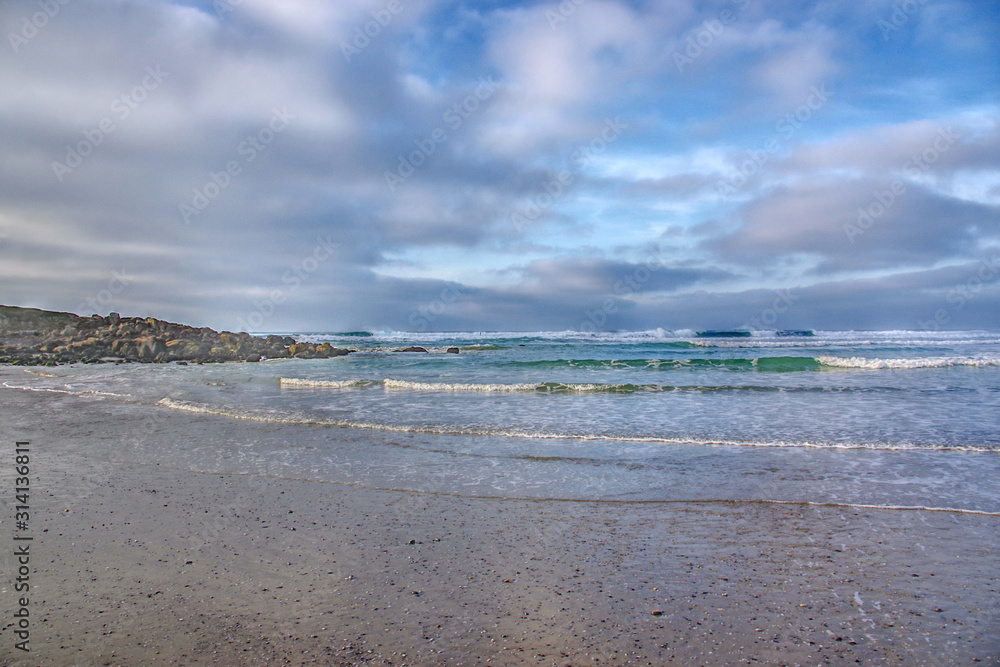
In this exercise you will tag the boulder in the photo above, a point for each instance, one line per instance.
(302, 350)
(277, 352)
(149, 348)
(121, 347)
(413, 348)
(178, 348)
(453, 350)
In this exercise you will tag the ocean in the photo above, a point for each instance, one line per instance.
(894, 419)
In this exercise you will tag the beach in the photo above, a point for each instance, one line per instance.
(143, 563)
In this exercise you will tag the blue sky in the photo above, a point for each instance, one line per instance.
(425, 165)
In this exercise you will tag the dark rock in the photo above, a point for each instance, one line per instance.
(32, 336)
(302, 350)
(453, 350)
(149, 348)
(413, 348)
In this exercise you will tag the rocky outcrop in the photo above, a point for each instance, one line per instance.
(31, 336)
(412, 348)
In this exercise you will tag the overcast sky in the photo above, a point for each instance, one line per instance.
(288, 165)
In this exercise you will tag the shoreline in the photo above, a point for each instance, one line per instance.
(305, 572)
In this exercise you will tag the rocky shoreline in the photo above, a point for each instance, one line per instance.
(29, 336)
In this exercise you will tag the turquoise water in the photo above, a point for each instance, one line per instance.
(889, 418)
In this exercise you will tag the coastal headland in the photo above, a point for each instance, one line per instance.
(29, 336)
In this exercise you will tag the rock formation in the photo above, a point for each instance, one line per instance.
(32, 336)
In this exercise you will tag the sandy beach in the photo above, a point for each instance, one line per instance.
(140, 563)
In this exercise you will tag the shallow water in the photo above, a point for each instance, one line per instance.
(871, 418)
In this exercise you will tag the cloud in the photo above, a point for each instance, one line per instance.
(201, 133)
(799, 60)
(887, 197)
(558, 66)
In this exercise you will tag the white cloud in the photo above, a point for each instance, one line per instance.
(553, 73)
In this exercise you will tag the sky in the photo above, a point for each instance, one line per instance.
(433, 165)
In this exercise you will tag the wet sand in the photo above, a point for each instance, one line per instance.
(139, 563)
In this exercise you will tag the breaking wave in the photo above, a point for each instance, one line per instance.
(276, 417)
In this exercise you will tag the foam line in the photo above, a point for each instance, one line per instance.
(511, 433)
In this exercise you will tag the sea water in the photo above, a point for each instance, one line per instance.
(892, 419)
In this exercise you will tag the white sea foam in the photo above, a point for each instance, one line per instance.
(328, 384)
(457, 386)
(923, 362)
(79, 392)
(290, 418)
(249, 415)
(902, 508)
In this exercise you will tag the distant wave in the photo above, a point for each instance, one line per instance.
(766, 364)
(775, 364)
(557, 387)
(606, 388)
